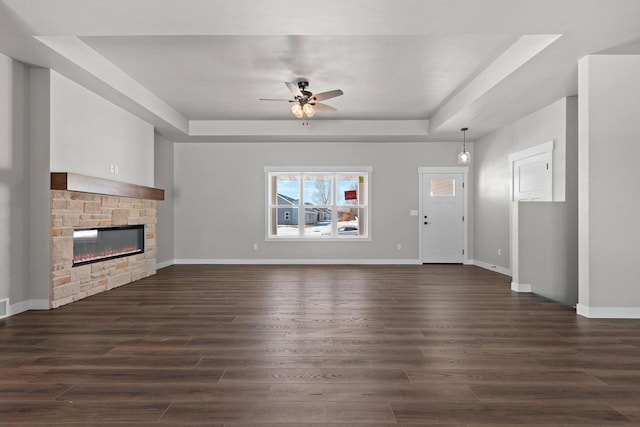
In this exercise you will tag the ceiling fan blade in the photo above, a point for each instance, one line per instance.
(327, 95)
(323, 107)
(293, 87)
(272, 99)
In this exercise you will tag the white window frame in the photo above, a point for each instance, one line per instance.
(318, 170)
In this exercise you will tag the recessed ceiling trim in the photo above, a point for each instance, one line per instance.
(79, 53)
(518, 54)
(308, 127)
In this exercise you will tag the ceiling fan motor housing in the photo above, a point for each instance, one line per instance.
(303, 85)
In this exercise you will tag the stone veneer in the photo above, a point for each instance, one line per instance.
(71, 209)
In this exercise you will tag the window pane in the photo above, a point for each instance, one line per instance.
(443, 188)
(287, 190)
(350, 221)
(285, 221)
(317, 190)
(317, 222)
(350, 190)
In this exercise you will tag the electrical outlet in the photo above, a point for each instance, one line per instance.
(499, 251)
(399, 246)
(255, 246)
(116, 168)
(112, 168)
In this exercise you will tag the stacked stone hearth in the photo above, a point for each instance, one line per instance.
(71, 209)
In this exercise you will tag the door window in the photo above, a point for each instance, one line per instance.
(443, 188)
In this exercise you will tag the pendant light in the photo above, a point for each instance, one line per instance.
(464, 157)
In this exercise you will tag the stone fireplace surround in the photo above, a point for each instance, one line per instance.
(85, 208)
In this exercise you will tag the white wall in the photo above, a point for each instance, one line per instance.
(164, 179)
(492, 177)
(14, 182)
(220, 198)
(609, 148)
(88, 134)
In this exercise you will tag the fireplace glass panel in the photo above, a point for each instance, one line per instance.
(102, 243)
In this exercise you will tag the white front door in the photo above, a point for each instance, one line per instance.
(442, 218)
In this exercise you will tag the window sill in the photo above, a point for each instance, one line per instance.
(318, 239)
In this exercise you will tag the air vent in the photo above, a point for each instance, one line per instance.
(4, 305)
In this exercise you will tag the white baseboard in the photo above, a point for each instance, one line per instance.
(32, 304)
(521, 287)
(487, 266)
(302, 261)
(164, 264)
(608, 312)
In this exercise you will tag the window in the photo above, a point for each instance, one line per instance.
(443, 188)
(318, 203)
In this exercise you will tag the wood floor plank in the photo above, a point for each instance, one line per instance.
(339, 346)
(243, 424)
(322, 375)
(509, 414)
(175, 392)
(30, 391)
(49, 413)
(149, 361)
(78, 375)
(497, 376)
(368, 392)
(301, 413)
(627, 394)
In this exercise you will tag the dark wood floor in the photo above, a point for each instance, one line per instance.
(318, 345)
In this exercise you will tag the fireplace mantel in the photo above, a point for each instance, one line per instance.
(86, 184)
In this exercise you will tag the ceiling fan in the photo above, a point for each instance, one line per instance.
(306, 102)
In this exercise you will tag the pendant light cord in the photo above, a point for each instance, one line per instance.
(464, 139)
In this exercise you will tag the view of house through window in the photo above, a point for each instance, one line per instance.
(320, 205)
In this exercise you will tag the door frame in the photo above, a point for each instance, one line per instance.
(464, 170)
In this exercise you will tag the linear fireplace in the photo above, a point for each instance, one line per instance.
(103, 243)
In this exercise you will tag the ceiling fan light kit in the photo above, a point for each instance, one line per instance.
(308, 110)
(296, 110)
(306, 102)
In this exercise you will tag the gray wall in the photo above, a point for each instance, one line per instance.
(492, 177)
(548, 241)
(548, 248)
(609, 236)
(163, 172)
(220, 198)
(39, 186)
(14, 181)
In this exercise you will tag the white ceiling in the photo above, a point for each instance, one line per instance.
(221, 77)
(411, 70)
